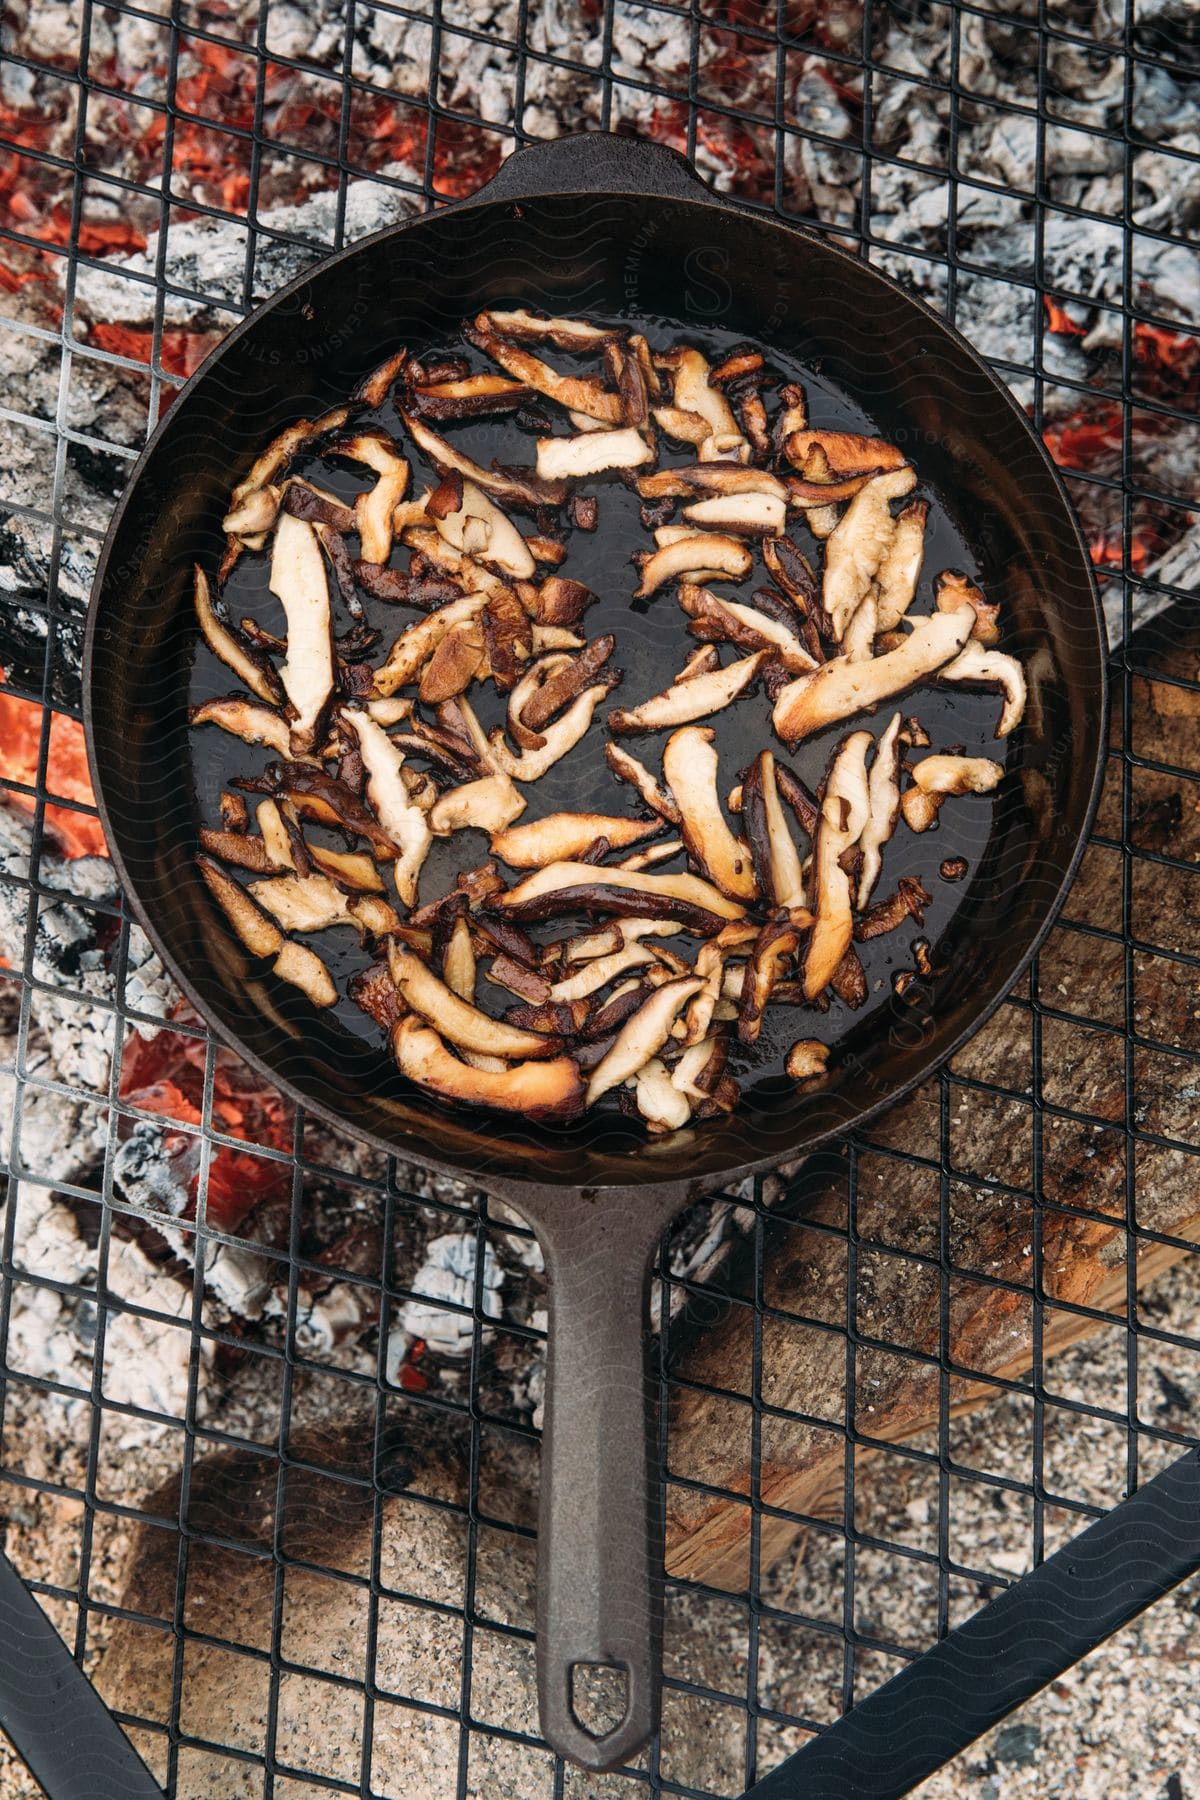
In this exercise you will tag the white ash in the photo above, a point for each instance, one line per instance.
(447, 1276)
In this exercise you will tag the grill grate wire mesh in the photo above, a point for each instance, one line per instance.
(444, 137)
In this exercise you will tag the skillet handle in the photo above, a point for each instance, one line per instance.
(595, 162)
(598, 1597)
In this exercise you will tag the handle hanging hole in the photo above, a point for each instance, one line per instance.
(599, 1696)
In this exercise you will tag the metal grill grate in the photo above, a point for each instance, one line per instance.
(874, 1263)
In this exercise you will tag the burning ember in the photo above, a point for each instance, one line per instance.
(66, 772)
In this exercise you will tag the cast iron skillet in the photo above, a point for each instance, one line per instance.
(611, 226)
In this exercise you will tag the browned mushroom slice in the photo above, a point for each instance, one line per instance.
(413, 647)
(579, 393)
(488, 804)
(402, 819)
(690, 766)
(349, 867)
(791, 573)
(319, 796)
(316, 505)
(280, 451)
(235, 815)
(578, 887)
(618, 932)
(642, 1036)
(374, 388)
(693, 392)
(527, 984)
(372, 990)
(453, 665)
(260, 934)
(590, 453)
(627, 768)
(248, 663)
(776, 857)
(840, 688)
(845, 809)
(697, 479)
(457, 1020)
(479, 528)
(563, 683)
(702, 661)
(253, 724)
(559, 738)
(807, 1060)
(900, 565)
(953, 590)
(523, 327)
(508, 637)
(694, 699)
(469, 397)
(752, 514)
(300, 583)
(847, 452)
(536, 1090)
(561, 836)
(883, 794)
(516, 487)
(991, 668)
(728, 621)
(373, 510)
(774, 946)
(857, 546)
(908, 902)
(244, 849)
(935, 778)
(402, 588)
(562, 601)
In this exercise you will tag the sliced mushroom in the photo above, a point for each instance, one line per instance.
(694, 699)
(791, 573)
(900, 565)
(642, 1036)
(299, 582)
(467, 397)
(774, 947)
(555, 637)
(458, 961)
(536, 1090)
(846, 452)
(590, 453)
(807, 1059)
(707, 556)
(402, 819)
(953, 590)
(697, 479)
(244, 849)
(560, 837)
(610, 940)
(314, 903)
(858, 545)
(316, 795)
(991, 668)
(908, 902)
(693, 392)
(248, 663)
(256, 515)
(752, 514)
(374, 388)
(654, 853)
(487, 804)
(316, 505)
(690, 766)
(523, 327)
(776, 857)
(517, 487)
(373, 510)
(728, 621)
(508, 637)
(561, 736)
(478, 527)
(260, 935)
(578, 887)
(414, 646)
(527, 984)
(627, 768)
(883, 795)
(562, 683)
(663, 1106)
(561, 601)
(453, 665)
(253, 724)
(935, 778)
(280, 451)
(702, 661)
(845, 809)
(592, 976)
(456, 1019)
(579, 393)
(840, 687)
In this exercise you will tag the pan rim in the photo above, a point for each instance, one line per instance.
(518, 1186)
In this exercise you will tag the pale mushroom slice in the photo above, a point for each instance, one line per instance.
(664, 1106)
(416, 645)
(883, 795)
(560, 736)
(696, 698)
(690, 765)
(953, 589)
(258, 932)
(243, 719)
(807, 1059)
(300, 583)
(562, 836)
(590, 453)
(935, 778)
(487, 804)
(857, 545)
(845, 809)
(517, 487)
(373, 510)
(693, 393)
(458, 961)
(480, 529)
(729, 621)
(582, 887)
(991, 668)
(704, 555)
(456, 1019)
(315, 902)
(776, 857)
(523, 327)
(401, 818)
(747, 514)
(642, 1036)
(578, 393)
(840, 688)
(248, 662)
(619, 932)
(702, 661)
(900, 566)
(626, 767)
(537, 1090)
(597, 973)
(280, 451)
